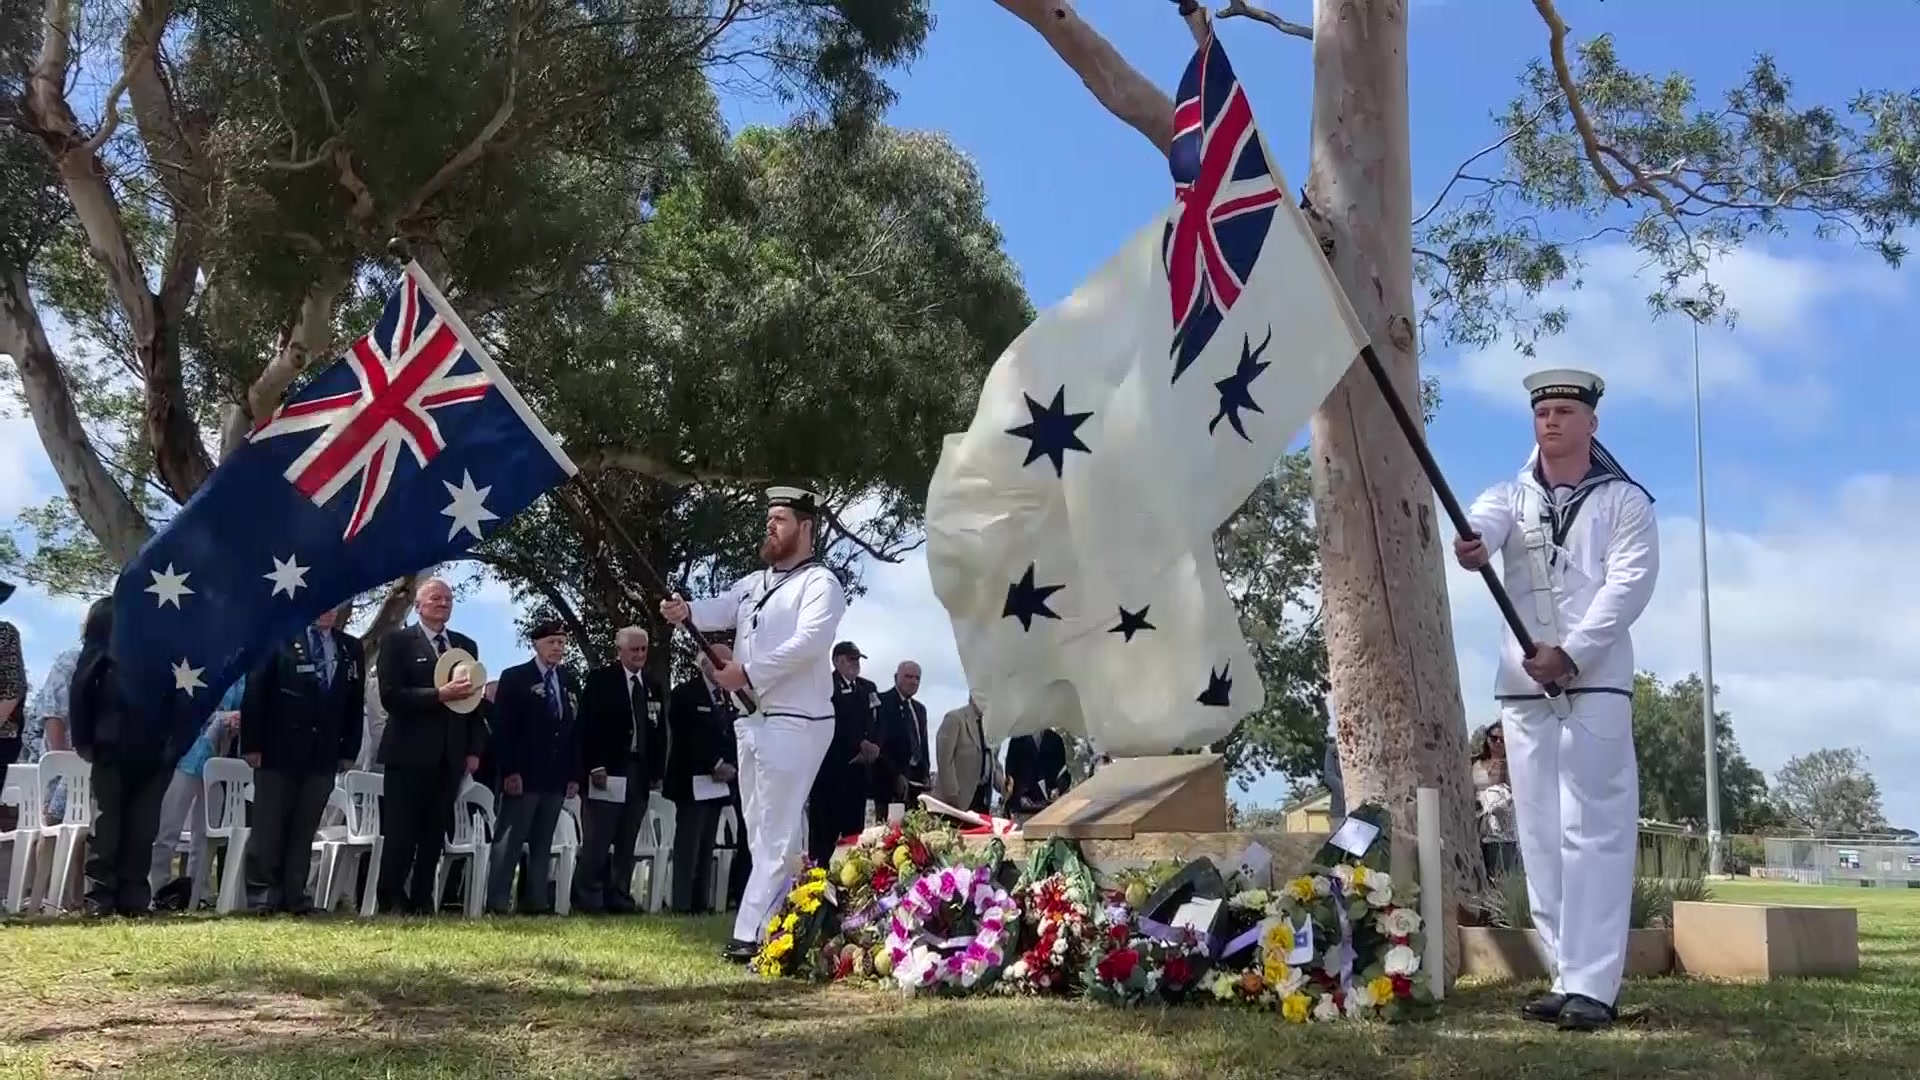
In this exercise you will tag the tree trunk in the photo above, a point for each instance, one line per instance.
(1390, 653)
(97, 497)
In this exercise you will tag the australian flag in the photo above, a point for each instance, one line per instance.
(403, 453)
(1225, 193)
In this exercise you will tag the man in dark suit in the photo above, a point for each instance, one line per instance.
(300, 719)
(837, 805)
(906, 758)
(432, 742)
(1037, 770)
(624, 733)
(701, 745)
(536, 745)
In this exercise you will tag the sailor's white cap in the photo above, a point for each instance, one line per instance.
(797, 499)
(1568, 383)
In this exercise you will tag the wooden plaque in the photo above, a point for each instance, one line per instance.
(1185, 793)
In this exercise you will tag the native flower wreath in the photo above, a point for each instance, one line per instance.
(949, 900)
(796, 925)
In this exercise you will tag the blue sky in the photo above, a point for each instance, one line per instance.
(1816, 642)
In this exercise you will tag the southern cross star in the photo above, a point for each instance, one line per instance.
(468, 508)
(168, 587)
(1132, 622)
(1219, 691)
(1027, 601)
(187, 678)
(1050, 432)
(1236, 390)
(288, 576)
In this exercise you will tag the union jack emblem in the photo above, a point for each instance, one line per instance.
(402, 372)
(1225, 198)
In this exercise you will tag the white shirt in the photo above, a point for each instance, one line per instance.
(783, 624)
(1603, 575)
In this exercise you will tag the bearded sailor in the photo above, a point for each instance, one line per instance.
(1581, 552)
(783, 621)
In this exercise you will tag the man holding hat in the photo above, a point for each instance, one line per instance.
(1581, 553)
(783, 621)
(13, 687)
(536, 744)
(431, 684)
(837, 806)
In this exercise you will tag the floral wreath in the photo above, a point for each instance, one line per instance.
(1063, 931)
(794, 921)
(961, 962)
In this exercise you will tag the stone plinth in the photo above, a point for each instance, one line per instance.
(1503, 954)
(1180, 793)
(1765, 941)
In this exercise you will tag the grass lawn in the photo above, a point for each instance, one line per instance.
(646, 998)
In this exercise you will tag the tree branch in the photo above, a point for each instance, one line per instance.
(539, 583)
(1125, 93)
(1460, 173)
(305, 338)
(313, 71)
(1245, 10)
(647, 465)
(860, 542)
(1597, 152)
(471, 152)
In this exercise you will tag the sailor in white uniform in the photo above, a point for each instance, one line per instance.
(1581, 552)
(783, 621)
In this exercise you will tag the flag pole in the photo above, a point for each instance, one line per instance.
(1417, 439)
(589, 502)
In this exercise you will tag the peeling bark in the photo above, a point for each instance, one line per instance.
(1390, 652)
(103, 505)
(1127, 94)
(180, 458)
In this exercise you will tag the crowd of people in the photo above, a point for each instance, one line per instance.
(542, 738)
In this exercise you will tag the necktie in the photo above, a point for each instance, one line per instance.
(322, 662)
(637, 699)
(439, 644)
(986, 756)
(553, 693)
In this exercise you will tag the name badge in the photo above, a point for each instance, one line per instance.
(653, 709)
(305, 669)
(703, 708)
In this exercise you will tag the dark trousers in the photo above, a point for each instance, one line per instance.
(982, 799)
(836, 807)
(120, 848)
(695, 825)
(604, 879)
(742, 857)
(286, 813)
(416, 814)
(526, 820)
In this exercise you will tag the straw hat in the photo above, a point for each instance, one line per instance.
(451, 663)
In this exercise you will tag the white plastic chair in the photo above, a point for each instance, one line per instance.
(473, 824)
(227, 784)
(727, 842)
(70, 834)
(566, 854)
(357, 794)
(21, 789)
(653, 848)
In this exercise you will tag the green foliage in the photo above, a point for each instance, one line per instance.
(1505, 905)
(1830, 792)
(1268, 556)
(1679, 178)
(793, 308)
(1670, 739)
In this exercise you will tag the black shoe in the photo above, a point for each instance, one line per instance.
(740, 952)
(1546, 1008)
(1585, 1014)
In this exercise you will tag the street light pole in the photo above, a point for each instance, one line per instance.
(1710, 732)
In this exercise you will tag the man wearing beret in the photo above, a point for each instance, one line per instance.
(537, 747)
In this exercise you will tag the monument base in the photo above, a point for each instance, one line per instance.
(1292, 852)
(1183, 793)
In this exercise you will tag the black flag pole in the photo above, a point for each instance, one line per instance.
(1417, 439)
(592, 504)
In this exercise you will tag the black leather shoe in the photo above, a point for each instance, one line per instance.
(1546, 1008)
(1585, 1014)
(740, 951)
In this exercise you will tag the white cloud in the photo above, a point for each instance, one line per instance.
(1771, 359)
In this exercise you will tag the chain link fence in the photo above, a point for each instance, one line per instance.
(1829, 861)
